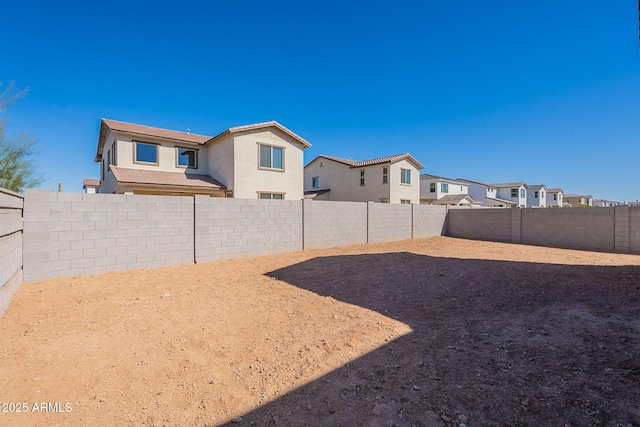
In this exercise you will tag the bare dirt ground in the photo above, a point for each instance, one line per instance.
(425, 332)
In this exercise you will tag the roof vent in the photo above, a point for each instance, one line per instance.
(188, 131)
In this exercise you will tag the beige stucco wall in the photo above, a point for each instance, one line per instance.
(167, 155)
(220, 157)
(249, 179)
(344, 181)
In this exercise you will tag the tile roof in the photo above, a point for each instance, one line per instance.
(509, 184)
(428, 177)
(90, 182)
(312, 194)
(177, 179)
(506, 202)
(452, 199)
(255, 126)
(377, 161)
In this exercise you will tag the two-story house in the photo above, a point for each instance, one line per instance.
(486, 194)
(262, 160)
(577, 200)
(392, 179)
(555, 197)
(438, 190)
(513, 191)
(537, 196)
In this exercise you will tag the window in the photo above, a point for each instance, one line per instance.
(315, 181)
(384, 200)
(109, 157)
(271, 157)
(145, 153)
(555, 197)
(535, 194)
(361, 177)
(432, 187)
(522, 193)
(514, 192)
(542, 194)
(114, 153)
(271, 196)
(187, 158)
(405, 202)
(385, 175)
(444, 187)
(405, 176)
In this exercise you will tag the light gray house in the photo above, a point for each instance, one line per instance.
(537, 196)
(438, 190)
(486, 194)
(555, 197)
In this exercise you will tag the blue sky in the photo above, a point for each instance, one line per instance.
(546, 92)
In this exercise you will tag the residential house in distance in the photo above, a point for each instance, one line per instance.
(391, 179)
(577, 200)
(636, 203)
(91, 186)
(537, 196)
(438, 190)
(263, 160)
(555, 197)
(604, 203)
(486, 194)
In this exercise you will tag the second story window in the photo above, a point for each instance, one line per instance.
(187, 158)
(432, 187)
(444, 187)
(522, 193)
(361, 177)
(271, 157)
(405, 176)
(385, 175)
(145, 153)
(535, 194)
(315, 182)
(514, 192)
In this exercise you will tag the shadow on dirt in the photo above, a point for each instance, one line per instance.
(494, 343)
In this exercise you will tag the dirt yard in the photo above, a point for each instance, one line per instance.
(426, 332)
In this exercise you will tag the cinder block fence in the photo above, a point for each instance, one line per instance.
(10, 246)
(46, 235)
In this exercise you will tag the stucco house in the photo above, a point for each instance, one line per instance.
(486, 194)
(577, 200)
(537, 196)
(391, 179)
(438, 190)
(262, 160)
(555, 197)
(601, 203)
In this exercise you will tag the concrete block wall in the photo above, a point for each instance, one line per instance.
(575, 228)
(236, 228)
(622, 229)
(388, 222)
(68, 234)
(330, 224)
(428, 220)
(634, 228)
(11, 273)
(481, 224)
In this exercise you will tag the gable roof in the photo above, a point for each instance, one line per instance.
(509, 184)
(555, 190)
(144, 131)
(454, 199)
(538, 187)
(429, 177)
(90, 182)
(312, 194)
(262, 125)
(377, 161)
(176, 179)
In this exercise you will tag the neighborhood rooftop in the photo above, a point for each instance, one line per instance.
(377, 161)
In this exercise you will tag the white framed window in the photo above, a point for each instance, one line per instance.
(384, 200)
(362, 177)
(535, 194)
(315, 182)
(271, 196)
(405, 176)
(271, 157)
(186, 158)
(405, 201)
(432, 187)
(145, 152)
(114, 153)
(555, 197)
(522, 193)
(444, 187)
(385, 175)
